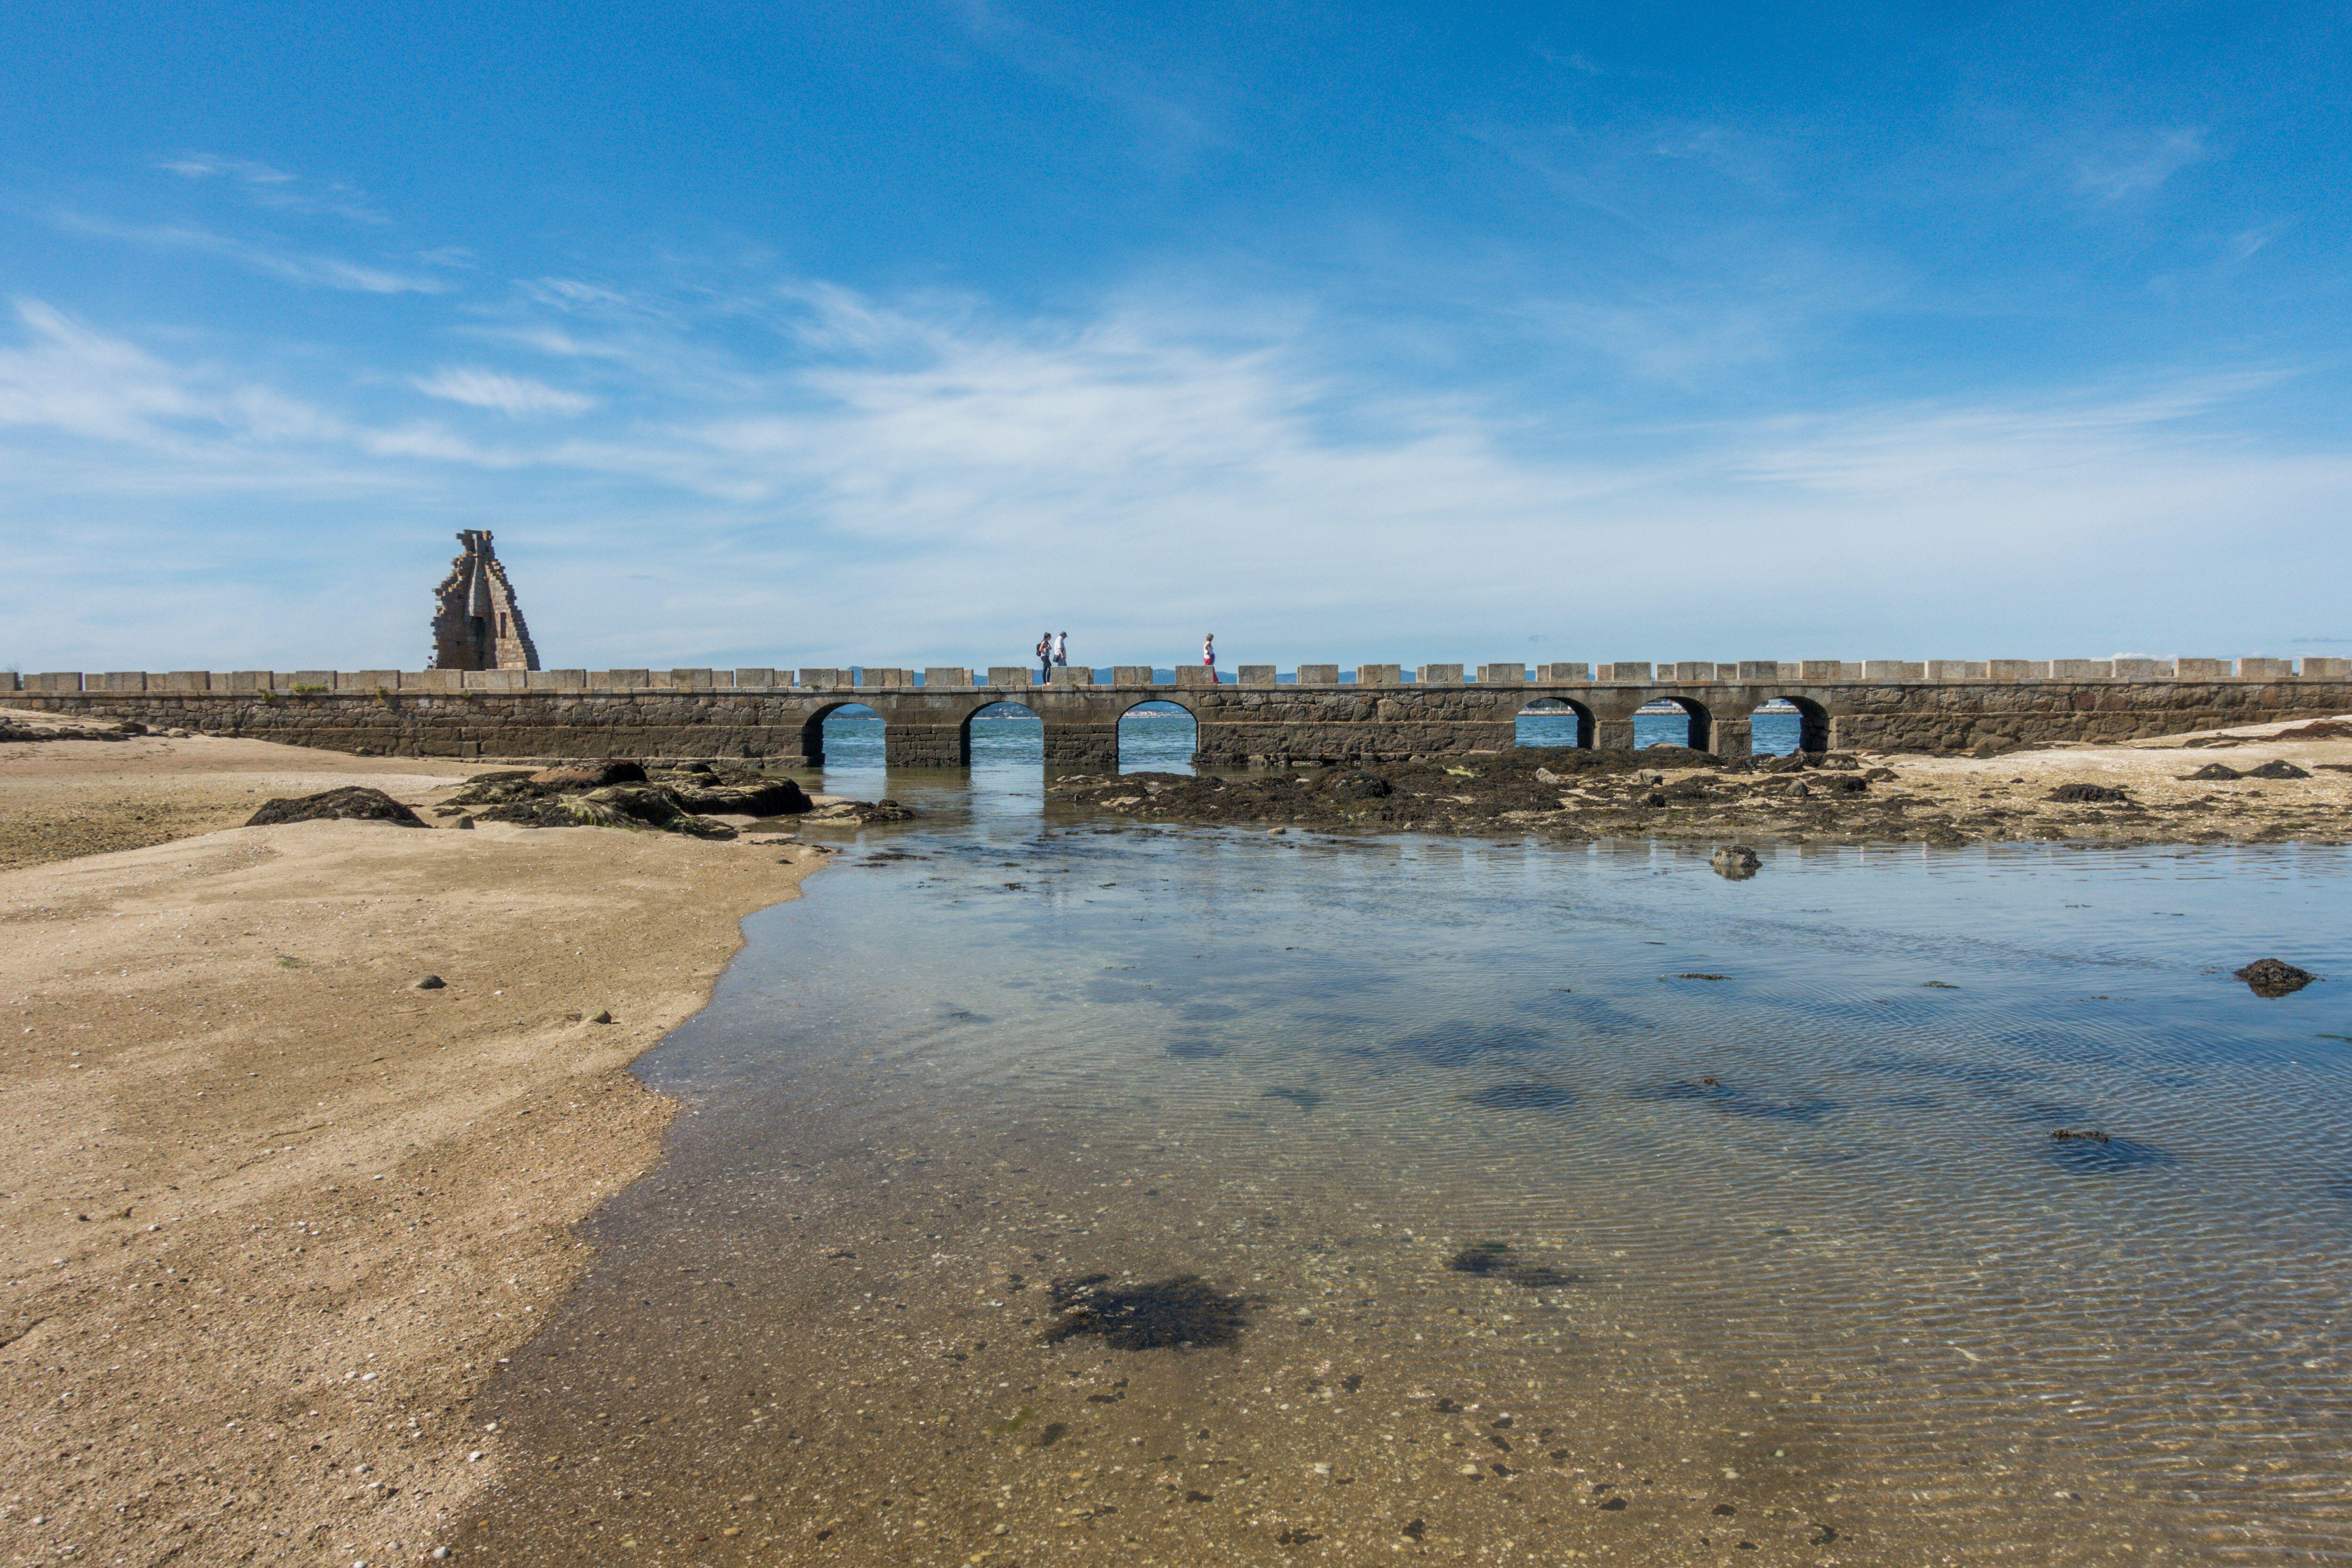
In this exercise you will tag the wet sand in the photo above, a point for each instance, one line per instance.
(271, 1216)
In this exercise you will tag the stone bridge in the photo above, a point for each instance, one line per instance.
(778, 716)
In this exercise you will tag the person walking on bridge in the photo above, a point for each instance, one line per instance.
(1209, 656)
(1061, 649)
(1044, 659)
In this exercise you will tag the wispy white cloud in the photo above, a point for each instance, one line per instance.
(271, 188)
(510, 394)
(2130, 163)
(309, 270)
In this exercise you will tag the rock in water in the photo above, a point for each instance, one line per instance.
(2270, 977)
(1736, 862)
(2278, 770)
(2087, 795)
(353, 803)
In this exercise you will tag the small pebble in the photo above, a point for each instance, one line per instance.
(427, 982)
(600, 1017)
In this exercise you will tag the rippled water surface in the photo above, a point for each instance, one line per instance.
(1540, 1204)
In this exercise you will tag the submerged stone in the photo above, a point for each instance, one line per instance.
(1181, 1311)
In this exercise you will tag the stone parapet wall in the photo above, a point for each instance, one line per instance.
(1020, 677)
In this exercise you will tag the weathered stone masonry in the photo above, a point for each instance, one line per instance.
(778, 715)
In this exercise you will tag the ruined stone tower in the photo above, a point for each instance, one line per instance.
(476, 622)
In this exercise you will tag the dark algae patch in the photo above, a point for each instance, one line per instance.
(1529, 1096)
(1495, 1258)
(2095, 1153)
(1181, 1311)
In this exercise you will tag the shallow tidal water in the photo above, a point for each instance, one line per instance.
(1056, 1190)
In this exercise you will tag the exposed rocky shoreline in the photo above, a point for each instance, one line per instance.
(2114, 794)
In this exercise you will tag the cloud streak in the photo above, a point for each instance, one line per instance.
(309, 270)
(514, 395)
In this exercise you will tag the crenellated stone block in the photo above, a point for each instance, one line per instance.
(2265, 668)
(367, 680)
(947, 678)
(2081, 670)
(1380, 675)
(1071, 675)
(2016, 669)
(2143, 669)
(1257, 674)
(756, 677)
(1318, 675)
(1564, 674)
(58, 680)
(1763, 669)
(1000, 676)
(1195, 675)
(1132, 675)
(547, 679)
(1893, 669)
(2203, 669)
(2326, 668)
(1687, 670)
(1811, 670)
(1439, 675)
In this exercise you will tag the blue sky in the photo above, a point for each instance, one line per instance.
(829, 333)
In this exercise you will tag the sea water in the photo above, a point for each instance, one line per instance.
(1497, 1201)
(1163, 739)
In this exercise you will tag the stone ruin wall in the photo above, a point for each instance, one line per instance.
(476, 624)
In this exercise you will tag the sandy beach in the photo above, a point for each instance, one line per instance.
(272, 1216)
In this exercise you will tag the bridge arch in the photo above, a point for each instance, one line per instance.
(1813, 722)
(812, 748)
(1700, 723)
(1164, 745)
(1550, 715)
(1009, 748)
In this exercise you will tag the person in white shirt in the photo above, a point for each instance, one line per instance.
(1061, 648)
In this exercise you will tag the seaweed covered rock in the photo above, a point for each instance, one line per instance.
(858, 812)
(620, 793)
(2278, 769)
(638, 806)
(581, 777)
(2087, 795)
(2214, 771)
(355, 803)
